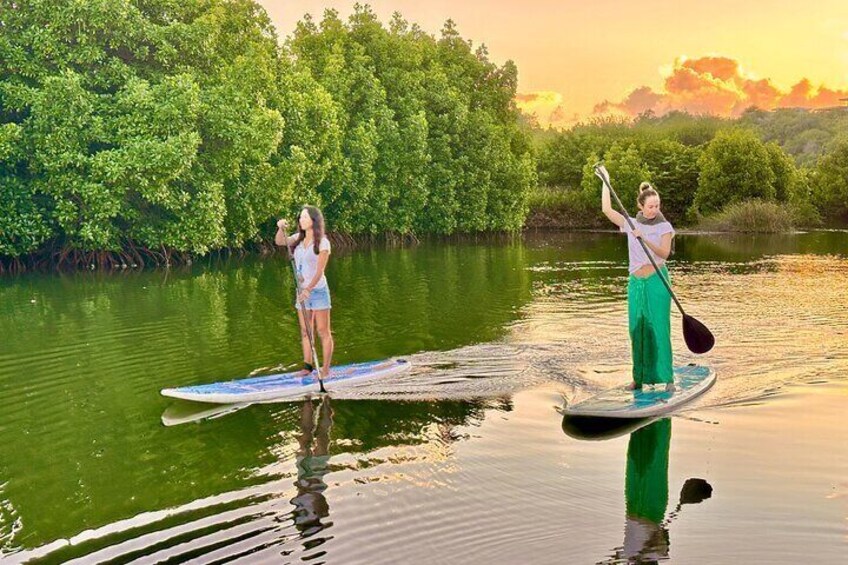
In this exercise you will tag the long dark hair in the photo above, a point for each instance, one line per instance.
(317, 228)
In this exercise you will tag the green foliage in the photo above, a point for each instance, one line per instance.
(755, 216)
(669, 148)
(830, 184)
(801, 200)
(701, 163)
(431, 139)
(674, 173)
(627, 172)
(735, 166)
(146, 121)
(561, 160)
(679, 126)
(784, 171)
(804, 134)
(552, 207)
(185, 126)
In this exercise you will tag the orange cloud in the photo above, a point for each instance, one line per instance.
(721, 68)
(718, 86)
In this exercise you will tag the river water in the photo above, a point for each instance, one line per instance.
(466, 458)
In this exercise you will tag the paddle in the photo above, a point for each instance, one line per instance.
(694, 491)
(307, 322)
(698, 338)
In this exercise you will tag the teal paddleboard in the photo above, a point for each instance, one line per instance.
(691, 381)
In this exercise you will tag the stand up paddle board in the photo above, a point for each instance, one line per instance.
(286, 386)
(690, 382)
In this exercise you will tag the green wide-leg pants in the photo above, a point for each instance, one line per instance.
(649, 309)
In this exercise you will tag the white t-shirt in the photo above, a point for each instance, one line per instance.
(654, 234)
(306, 262)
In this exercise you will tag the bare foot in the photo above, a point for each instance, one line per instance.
(632, 386)
(670, 387)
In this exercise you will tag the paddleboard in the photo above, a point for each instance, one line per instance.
(691, 381)
(286, 386)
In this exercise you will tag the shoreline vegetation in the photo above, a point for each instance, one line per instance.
(161, 133)
(131, 259)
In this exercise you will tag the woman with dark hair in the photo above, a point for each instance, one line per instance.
(311, 254)
(648, 301)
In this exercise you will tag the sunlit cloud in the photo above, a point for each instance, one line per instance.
(539, 98)
(547, 107)
(718, 86)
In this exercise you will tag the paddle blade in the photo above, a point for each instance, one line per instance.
(698, 338)
(695, 491)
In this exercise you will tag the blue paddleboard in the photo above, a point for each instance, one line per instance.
(285, 386)
(690, 382)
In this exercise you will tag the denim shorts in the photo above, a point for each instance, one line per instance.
(319, 299)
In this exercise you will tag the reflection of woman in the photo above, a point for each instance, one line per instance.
(646, 491)
(310, 505)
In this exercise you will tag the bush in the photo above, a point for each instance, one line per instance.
(801, 207)
(563, 209)
(735, 167)
(756, 216)
(561, 160)
(830, 182)
(674, 171)
(627, 171)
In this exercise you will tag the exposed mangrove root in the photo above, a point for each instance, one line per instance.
(61, 257)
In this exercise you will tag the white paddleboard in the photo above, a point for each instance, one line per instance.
(691, 381)
(286, 386)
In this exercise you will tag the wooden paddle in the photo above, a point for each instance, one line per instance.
(698, 338)
(307, 321)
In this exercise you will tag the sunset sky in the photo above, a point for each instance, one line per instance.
(622, 57)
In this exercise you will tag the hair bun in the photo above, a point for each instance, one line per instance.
(645, 186)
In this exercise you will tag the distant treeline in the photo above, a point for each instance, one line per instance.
(795, 159)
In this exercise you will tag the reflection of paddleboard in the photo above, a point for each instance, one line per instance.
(591, 428)
(186, 412)
(286, 386)
(690, 381)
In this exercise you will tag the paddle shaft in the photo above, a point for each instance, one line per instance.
(307, 321)
(642, 243)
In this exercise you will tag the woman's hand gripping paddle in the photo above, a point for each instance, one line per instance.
(698, 338)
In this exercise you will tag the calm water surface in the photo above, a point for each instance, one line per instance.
(466, 459)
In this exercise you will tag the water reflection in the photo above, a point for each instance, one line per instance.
(646, 494)
(313, 456)
(646, 526)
